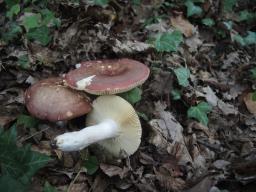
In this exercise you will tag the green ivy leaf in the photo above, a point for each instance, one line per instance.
(24, 62)
(182, 75)
(136, 2)
(91, 164)
(228, 5)
(132, 96)
(176, 95)
(168, 41)
(208, 22)
(31, 21)
(19, 163)
(246, 16)
(11, 3)
(199, 112)
(10, 184)
(253, 73)
(40, 34)
(48, 187)
(15, 9)
(205, 107)
(239, 39)
(27, 121)
(254, 96)
(228, 24)
(48, 18)
(192, 9)
(102, 3)
(250, 38)
(13, 31)
(247, 40)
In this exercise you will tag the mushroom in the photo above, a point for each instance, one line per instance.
(50, 100)
(104, 77)
(113, 124)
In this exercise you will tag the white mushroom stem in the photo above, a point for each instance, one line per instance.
(77, 140)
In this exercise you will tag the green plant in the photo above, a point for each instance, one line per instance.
(49, 188)
(182, 75)
(18, 164)
(33, 16)
(91, 164)
(193, 9)
(168, 41)
(199, 112)
(132, 96)
(249, 39)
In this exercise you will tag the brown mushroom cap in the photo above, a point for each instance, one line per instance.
(49, 100)
(103, 77)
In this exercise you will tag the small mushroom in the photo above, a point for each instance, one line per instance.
(104, 77)
(50, 100)
(113, 124)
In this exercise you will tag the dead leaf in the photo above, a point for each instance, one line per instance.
(43, 54)
(221, 164)
(5, 120)
(231, 58)
(183, 25)
(112, 170)
(130, 46)
(162, 83)
(145, 159)
(250, 104)
(100, 183)
(209, 94)
(159, 27)
(203, 186)
(227, 108)
(193, 42)
(167, 134)
(169, 182)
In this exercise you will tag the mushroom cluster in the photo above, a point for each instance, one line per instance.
(111, 121)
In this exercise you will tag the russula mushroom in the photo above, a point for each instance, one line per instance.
(50, 100)
(104, 77)
(113, 124)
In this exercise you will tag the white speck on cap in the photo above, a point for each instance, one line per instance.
(83, 83)
(78, 65)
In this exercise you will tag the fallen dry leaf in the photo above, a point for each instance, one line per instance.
(204, 185)
(250, 104)
(226, 108)
(183, 25)
(5, 120)
(130, 46)
(167, 134)
(112, 170)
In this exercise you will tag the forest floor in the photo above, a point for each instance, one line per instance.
(197, 109)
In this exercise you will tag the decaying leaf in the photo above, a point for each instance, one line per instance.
(183, 25)
(130, 46)
(250, 104)
(204, 185)
(112, 170)
(5, 120)
(227, 108)
(167, 134)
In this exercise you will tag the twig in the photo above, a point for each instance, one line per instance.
(36, 133)
(72, 183)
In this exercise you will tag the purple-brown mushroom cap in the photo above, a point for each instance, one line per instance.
(102, 77)
(50, 100)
